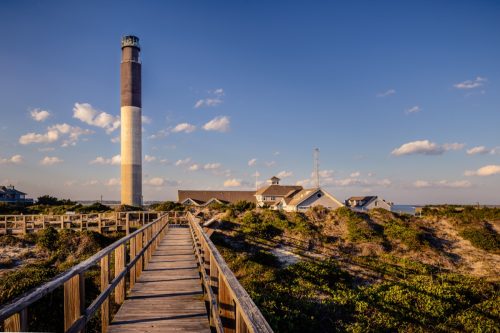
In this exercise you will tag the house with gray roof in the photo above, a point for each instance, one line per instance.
(368, 202)
(9, 194)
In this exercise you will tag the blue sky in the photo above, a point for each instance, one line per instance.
(401, 97)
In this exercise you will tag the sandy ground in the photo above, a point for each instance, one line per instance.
(469, 260)
(16, 255)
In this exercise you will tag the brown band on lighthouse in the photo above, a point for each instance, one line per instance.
(130, 77)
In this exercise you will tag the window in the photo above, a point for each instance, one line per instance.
(319, 195)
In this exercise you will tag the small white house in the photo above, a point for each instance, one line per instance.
(368, 202)
(308, 198)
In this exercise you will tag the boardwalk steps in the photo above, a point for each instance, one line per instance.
(168, 295)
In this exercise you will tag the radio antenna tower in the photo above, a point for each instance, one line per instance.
(316, 167)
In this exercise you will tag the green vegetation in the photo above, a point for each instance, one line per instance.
(323, 294)
(56, 253)
(167, 206)
(358, 227)
(482, 237)
(47, 204)
(472, 223)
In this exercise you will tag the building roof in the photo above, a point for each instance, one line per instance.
(225, 196)
(307, 193)
(10, 189)
(278, 190)
(365, 198)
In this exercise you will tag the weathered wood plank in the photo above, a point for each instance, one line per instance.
(74, 299)
(105, 314)
(17, 322)
(119, 266)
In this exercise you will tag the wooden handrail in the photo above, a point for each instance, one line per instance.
(235, 309)
(142, 242)
(100, 222)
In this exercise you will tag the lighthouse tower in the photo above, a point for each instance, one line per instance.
(131, 126)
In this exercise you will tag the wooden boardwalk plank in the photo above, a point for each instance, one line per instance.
(167, 297)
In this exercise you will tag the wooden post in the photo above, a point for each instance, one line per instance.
(127, 223)
(133, 248)
(24, 225)
(99, 223)
(226, 307)
(18, 322)
(119, 267)
(62, 222)
(74, 299)
(214, 274)
(139, 263)
(105, 315)
(241, 325)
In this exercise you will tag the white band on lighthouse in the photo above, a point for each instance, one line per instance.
(131, 154)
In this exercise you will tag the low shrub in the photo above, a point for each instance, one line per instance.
(399, 230)
(481, 237)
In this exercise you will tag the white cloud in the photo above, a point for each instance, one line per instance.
(270, 164)
(252, 162)
(471, 84)
(116, 139)
(86, 113)
(149, 158)
(146, 120)
(284, 174)
(50, 160)
(184, 127)
(481, 150)
(39, 115)
(50, 136)
(425, 147)
(442, 184)
(355, 174)
(488, 170)
(219, 124)
(212, 166)
(183, 162)
(194, 167)
(387, 93)
(113, 182)
(414, 109)
(214, 100)
(115, 160)
(54, 133)
(158, 135)
(218, 92)
(155, 181)
(91, 182)
(73, 133)
(232, 182)
(303, 182)
(16, 159)
(70, 183)
(352, 181)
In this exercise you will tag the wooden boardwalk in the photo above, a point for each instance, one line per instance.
(168, 296)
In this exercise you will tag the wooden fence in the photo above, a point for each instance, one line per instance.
(100, 222)
(140, 245)
(231, 310)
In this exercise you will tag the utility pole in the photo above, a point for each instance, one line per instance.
(316, 167)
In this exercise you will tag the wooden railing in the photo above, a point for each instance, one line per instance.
(100, 222)
(230, 307)
(140, 245)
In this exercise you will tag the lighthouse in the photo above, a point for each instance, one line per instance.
(131, 126)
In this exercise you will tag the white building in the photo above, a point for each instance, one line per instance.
(367, 202)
